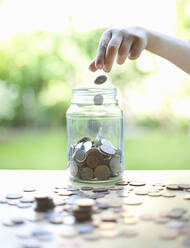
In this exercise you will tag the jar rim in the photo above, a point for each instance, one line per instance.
(95, 90)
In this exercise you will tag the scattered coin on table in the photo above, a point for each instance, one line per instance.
(92, 213)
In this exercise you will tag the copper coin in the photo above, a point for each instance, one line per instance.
(86, 173)
(92, 161)
(73, 168)
(107, 149)
(102, 172)
(80, 156)
(100, 79)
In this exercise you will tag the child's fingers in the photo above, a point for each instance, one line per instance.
(136, 48)
(111, 52)
(99, 60)
(92, 66)
(124, 50)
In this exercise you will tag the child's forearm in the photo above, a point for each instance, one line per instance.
(175, 50)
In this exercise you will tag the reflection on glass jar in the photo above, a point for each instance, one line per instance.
(95, 136)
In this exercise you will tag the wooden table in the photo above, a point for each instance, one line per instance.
(14, 181)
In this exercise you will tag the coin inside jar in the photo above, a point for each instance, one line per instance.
(115, 165)
(107, 149)
(73, 169)
(86, 173)
(102, 172)
(92, 161)
(80, 156)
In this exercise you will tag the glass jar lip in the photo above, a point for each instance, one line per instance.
(92, 91)
(87, 95)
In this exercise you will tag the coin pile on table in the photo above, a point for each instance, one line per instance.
(94, 160)
(72, 216)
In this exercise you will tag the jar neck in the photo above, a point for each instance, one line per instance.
(88, 95)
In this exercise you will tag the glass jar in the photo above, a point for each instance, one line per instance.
(95, 136)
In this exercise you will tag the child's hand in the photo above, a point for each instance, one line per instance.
(125, 43)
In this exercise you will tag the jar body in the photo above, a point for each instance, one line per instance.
(95, 142)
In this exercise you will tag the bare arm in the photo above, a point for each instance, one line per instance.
(130, 42)
(175, 50)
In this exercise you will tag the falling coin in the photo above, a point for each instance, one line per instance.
(100, 79)
(98, 99)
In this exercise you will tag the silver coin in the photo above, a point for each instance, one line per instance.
(98, 99)
(87, 145)
(115, 165)
(100, 79)
(73, 169)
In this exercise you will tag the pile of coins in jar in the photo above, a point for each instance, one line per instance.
(72, 216)
(97, 159)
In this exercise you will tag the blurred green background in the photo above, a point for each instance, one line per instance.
(42, 60)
